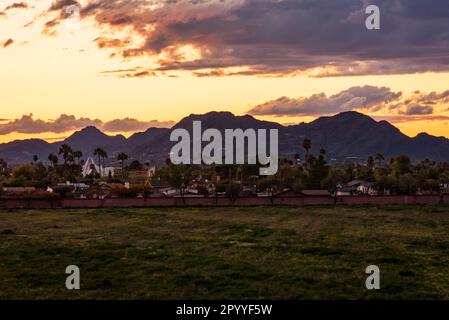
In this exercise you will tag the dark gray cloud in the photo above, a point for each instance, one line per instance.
(417, 110)
(410, 118)
(279, 36)
(368, 98)
(27, 124)
(130, 124)
(62, 4)
(420, 103)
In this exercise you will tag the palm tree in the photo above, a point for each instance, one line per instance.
(370, 162)
(122, 157)
(307, 144)
(101, 155)
(3, 166)
(77, 155)
(322, 155)
(380, 158)
(66, 151)
(53, 159)
(71, 158)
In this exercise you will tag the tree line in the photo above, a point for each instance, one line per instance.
(398, 175)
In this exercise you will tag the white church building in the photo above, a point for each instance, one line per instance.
(89, 166)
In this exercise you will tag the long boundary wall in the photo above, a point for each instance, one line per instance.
(220, 201)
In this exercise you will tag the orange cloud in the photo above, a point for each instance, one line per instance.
(17, 5)
(8, 42)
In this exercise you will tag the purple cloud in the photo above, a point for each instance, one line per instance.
(272, 37)
(368, 98)
(27, 124)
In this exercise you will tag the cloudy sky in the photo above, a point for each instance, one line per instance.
(126, 65)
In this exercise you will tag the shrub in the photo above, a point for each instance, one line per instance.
(407, 184)
(233, 190)
(36, 194)
(94, 191)
(145, 190)
(16, 182)
(202, 190)
(247, 193)
(26, 171)
(132, 192)
(63, 191)
(120, 192)
(221, 187)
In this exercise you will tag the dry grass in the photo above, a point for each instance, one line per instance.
(231, 253)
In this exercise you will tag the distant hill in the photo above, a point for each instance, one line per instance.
(348, 134)
(352, 134)
(90, 138)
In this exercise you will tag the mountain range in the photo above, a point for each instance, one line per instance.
(348, 134)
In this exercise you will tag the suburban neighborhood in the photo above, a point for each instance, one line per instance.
(70, 174)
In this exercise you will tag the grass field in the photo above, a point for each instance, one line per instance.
(230, 253)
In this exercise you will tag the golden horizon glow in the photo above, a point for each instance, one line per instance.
(63, 74)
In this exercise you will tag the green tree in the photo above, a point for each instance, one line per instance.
(407, 184)
(66, 152)
(178, 176)
(23, 173)
(337, 176)
(53, 159)
(233, 190)
(317, 170)
(382, 181)
(41, 178)
(3, 166)
(122, 157)
(400, 166)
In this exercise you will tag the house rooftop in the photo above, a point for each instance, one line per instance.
(355, 183)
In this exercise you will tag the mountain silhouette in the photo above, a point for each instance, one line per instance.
(90, 138)
(348, 134)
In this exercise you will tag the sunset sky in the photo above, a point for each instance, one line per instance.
(128, 65)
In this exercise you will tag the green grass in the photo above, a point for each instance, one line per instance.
(226, 253)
